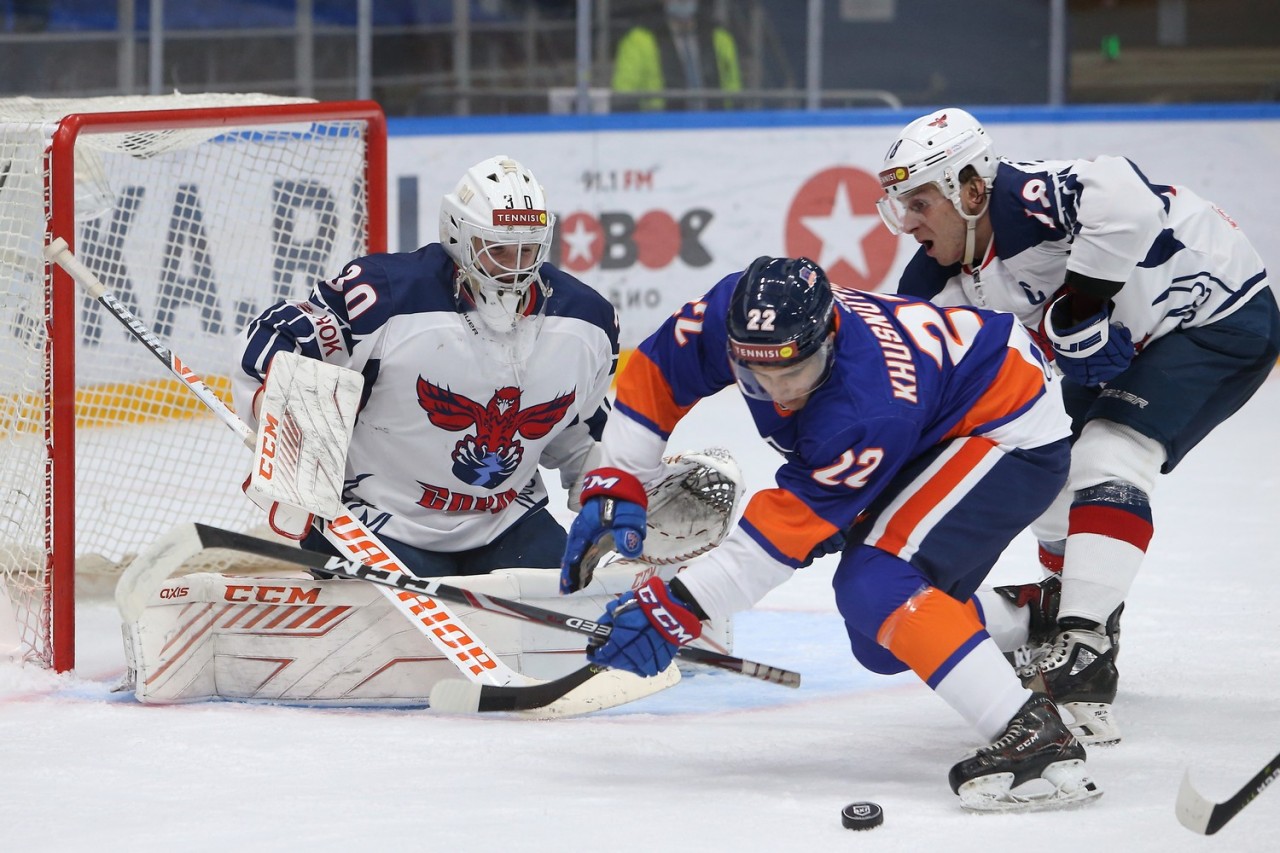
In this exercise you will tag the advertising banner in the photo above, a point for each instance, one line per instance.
(653, 216)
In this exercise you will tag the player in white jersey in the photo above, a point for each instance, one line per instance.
(481, 363)
(1159, 315)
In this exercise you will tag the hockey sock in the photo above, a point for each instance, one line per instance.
(944, 643)
(1051, 556)
(1006, 622)
(1110, 528)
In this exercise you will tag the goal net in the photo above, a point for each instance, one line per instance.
(197, 212)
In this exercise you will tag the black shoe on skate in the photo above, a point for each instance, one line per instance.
(1079, 673)
(1036, 764)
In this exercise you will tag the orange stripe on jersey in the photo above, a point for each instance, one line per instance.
(643, 389)
(787, 522)
(928, 629)
(898, 529)
(1016, 385)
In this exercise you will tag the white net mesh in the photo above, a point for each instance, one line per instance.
(195, 230)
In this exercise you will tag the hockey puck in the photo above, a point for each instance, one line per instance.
(861, 816)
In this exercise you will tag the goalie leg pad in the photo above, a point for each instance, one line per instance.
(296, 640)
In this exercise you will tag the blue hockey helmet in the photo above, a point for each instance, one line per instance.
(780, 324)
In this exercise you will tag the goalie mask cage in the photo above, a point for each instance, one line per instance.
(197, 212)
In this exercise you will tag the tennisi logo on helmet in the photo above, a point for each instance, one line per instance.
(889, 177)
(505, 217)
(833, 220)
(764, 354)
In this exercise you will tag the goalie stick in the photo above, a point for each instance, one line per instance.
(214, 537)
(348, 534)
(1206, 817)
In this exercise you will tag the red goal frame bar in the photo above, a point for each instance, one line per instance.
(61, 307)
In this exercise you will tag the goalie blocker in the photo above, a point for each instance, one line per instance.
(306, 412)
(288, 638)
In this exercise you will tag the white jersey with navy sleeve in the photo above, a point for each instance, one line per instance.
(454, 421)
(1182, 260)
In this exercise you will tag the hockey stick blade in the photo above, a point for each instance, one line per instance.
(217, 538)
(456, 696)
(583, 691)
(1206, 817)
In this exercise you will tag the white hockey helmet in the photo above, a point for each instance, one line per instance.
(934, 149)
(496, 227)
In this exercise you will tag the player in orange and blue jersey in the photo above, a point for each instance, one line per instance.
(918, 441)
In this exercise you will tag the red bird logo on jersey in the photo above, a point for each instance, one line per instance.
(490, 456)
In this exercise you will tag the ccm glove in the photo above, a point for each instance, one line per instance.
(613, 513)
(649, 626)
(1091, 351)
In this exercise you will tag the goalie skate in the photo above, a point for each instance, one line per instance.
(1036, 764)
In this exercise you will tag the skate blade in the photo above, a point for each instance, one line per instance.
(1092, 723)
(1063, 784)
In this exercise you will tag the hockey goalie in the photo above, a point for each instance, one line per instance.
(473, 363)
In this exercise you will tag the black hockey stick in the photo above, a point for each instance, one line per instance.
(489, 697)
(1206, 817)
(591, 688)
(214, 537)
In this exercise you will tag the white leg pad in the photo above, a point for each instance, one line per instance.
(296, 640)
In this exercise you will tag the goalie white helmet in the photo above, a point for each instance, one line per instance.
(934, 149)
(496, 227)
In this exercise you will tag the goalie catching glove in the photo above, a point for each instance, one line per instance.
(613, 512)
(649, 626)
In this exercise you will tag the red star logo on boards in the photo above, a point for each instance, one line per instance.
(833, 220)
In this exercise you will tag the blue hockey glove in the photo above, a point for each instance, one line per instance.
(612, 519)
(649, 627)
(1092, 351)
(833, 543)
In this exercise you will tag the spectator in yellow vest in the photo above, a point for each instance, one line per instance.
(685, 51)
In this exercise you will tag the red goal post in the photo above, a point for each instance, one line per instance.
(198, 212)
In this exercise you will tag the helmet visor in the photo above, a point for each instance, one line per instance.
(918, 201)
(506, 259)
(785, 382)
(891, 213)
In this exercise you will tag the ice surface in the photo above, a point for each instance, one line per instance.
(719, 763)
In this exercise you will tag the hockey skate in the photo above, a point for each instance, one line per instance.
(1036, 764)
(1042, 600)
(1079, 673)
